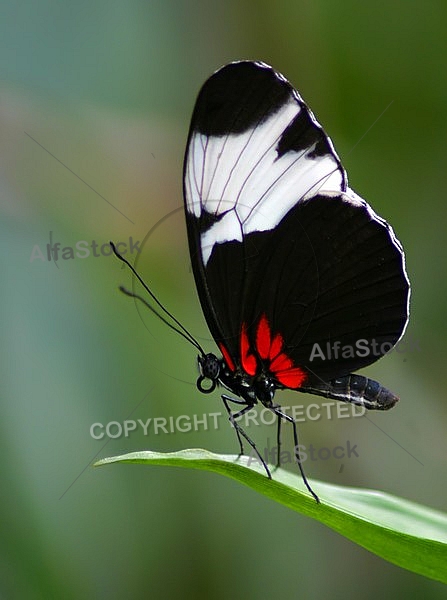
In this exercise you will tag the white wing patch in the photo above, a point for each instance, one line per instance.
(241, 177)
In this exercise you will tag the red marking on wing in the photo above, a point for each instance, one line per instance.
(248, 360)
(291, 378)
(281, 363)
(281, 366)
(276, 346)
(263, 338)
(227, 357)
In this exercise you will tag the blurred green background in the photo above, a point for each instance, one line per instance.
(95, 104)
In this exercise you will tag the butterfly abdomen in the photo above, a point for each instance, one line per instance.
(356, 389)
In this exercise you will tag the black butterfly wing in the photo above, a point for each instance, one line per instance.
(235, 182)
(287, 259)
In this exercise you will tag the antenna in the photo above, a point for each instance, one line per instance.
(180, 329)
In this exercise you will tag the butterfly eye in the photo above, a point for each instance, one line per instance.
(210, 366)
(210, 370)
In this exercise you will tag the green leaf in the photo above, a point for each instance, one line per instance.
(402, 532)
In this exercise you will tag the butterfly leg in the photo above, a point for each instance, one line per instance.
(227, 399)
(288, 418)
(239, 431)
(278, 442)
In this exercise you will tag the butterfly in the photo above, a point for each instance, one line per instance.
(300, 281)
(284, 254)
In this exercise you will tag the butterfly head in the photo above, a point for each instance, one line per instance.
(210, 367)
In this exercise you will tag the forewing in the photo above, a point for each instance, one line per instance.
(274, 231)
(254, 151)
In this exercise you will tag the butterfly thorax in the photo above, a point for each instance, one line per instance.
(253, 389)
